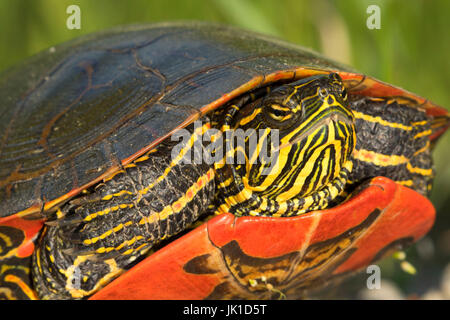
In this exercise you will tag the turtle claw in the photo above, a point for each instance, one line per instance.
(78, 252)
(65, 221)
(71, 237)
(95, 255)
(105, 256)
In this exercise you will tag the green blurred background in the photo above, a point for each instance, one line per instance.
(411, 50)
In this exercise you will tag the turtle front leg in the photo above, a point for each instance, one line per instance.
(153, 198)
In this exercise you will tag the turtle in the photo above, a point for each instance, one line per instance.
(201, 161)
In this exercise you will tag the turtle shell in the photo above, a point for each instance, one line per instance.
(77, 113)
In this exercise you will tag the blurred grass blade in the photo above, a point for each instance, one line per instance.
(247, 14)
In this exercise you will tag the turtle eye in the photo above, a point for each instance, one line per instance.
(323, 92)
(279, 113)
(282, 108)
(281, 116)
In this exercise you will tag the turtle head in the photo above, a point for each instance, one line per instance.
(309, 132)
(298, 105)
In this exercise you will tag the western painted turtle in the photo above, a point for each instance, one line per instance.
(112, 143)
